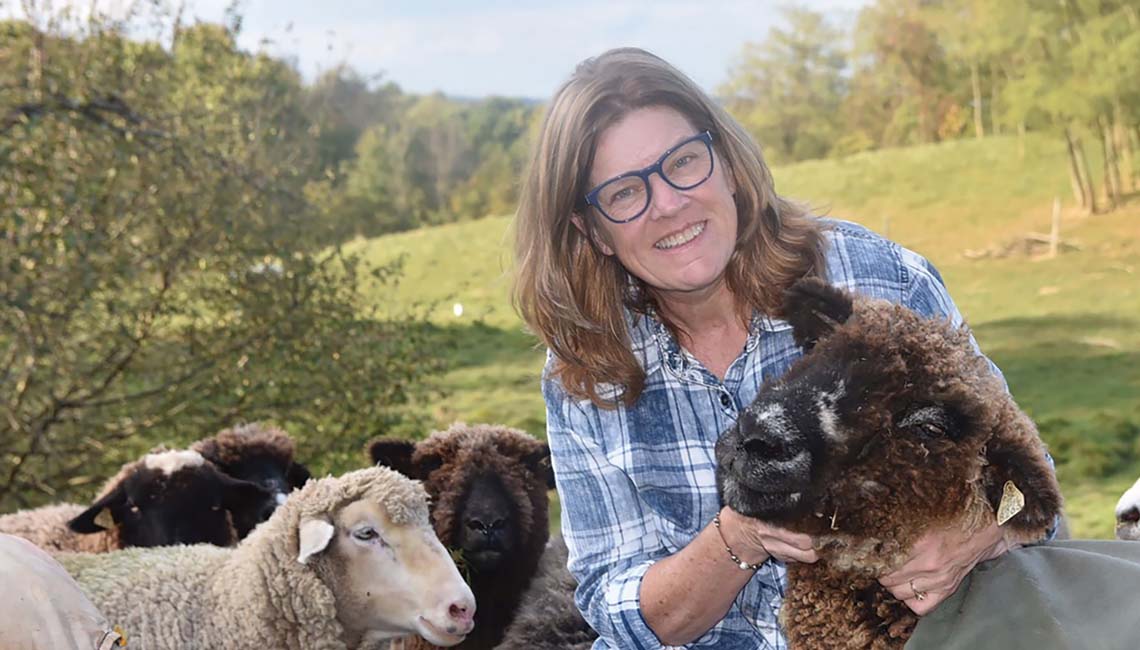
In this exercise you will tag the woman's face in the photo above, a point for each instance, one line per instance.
(681, 244)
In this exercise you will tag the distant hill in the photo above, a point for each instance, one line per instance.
(1065, 331)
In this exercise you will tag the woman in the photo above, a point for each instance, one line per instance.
(652, 256)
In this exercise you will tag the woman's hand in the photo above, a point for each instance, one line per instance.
(938, 562)
(754, 540)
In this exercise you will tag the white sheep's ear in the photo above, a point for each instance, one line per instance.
(315, 537)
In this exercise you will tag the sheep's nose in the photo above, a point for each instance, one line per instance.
(461, 616)
(762, 445)
(487, 530)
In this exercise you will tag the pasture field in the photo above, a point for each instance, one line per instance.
(1065, 330)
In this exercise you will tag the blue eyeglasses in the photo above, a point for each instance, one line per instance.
(626, 197)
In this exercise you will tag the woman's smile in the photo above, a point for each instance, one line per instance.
(680, 238)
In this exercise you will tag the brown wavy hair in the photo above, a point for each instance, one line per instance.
(572, 295)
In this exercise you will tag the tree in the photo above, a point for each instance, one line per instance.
(159, 276)
(787, 89)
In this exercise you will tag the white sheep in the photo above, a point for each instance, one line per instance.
(1128, 514)
(344, 560)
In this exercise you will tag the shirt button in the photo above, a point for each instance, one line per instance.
(725, 400)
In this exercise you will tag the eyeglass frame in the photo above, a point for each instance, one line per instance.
(705, 136)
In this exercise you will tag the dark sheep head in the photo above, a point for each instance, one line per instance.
(488, 488)
(890, 423)
(260, 454)
(172, 497)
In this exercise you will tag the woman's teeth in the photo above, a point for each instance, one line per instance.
(685, 236)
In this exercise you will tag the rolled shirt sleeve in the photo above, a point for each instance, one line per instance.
(610, 534)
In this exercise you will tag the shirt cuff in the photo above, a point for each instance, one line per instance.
(623, 601)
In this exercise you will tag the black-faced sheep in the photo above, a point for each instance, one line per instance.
(171, 497)
(260, 454)
(547, 618)
(488, 486)
(344, 561)
(890, 426)
(1128, 514)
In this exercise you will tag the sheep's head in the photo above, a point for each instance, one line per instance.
(260, 454)
(1128, 514)
(367, 535)
(172, 497)
(488, 486)
(886, 408)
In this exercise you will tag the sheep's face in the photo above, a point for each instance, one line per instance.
(886, 407)
(488, 487)
(276, 476)
(1128, 514)
(489, 529)
(831, 436)
(260, 454)
(161, 504)
(389, 579)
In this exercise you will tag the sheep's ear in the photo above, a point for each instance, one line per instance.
(315, 535)
(539, 462)
(1025, 468)
(98, 517)
(298, 475)
(393, 453)
(814, 309)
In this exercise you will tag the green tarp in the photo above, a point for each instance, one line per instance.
(1076, 594)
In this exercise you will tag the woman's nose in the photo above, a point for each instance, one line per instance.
(666, 200)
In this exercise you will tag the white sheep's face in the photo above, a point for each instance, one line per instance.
(392, 580)
(1128, 514)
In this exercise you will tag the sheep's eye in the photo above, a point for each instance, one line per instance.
(932, 429)
(931, 421)
(366, 534)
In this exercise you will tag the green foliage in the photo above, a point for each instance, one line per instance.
(441, 161)
(787, 89)
(159, 279)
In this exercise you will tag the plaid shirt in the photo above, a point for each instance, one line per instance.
(637, 483)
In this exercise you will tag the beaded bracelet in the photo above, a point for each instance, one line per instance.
(739, 562)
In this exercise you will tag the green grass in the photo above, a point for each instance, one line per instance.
(1065, 331)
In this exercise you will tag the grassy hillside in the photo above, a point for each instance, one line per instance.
(1066, 331)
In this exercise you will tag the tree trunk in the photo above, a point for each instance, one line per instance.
(976, 84)
(1134, 144)
(1074, 168)
(1123, 148)
(1111, 175)
(1086, 175)
(995, 126)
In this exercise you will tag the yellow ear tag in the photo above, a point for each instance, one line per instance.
(104, 519)
(1012, 501)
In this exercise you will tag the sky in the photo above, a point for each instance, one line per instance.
(515, 48)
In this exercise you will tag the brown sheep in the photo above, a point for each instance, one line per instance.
(258, 453)
(488, 486)
(548, 618)
(891, 425)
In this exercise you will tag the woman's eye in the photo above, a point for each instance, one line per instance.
(683, 160)
(621, 195)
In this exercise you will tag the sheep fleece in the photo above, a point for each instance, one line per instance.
(254, 596)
